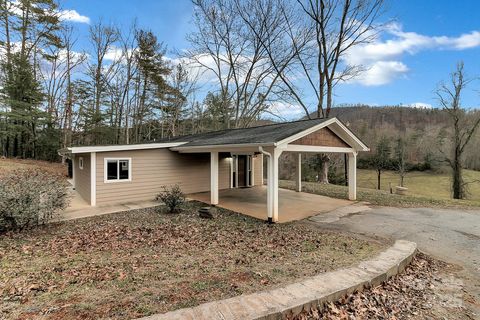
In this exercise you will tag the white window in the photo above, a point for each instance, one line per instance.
(80, 163)
(117, 170)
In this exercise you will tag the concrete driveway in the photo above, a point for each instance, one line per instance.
(449, 234)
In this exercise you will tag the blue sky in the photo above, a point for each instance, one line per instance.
(419, 48)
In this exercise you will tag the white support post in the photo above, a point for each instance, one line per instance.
(352, 176)
(272, 183)
(214, 178)
(298, 175)
(274, 194)
(247, 159)
(231, 171)
(252, 170)
(74, 173)
(236, 171)
(269, 189)
(93, 178)
(261, 167)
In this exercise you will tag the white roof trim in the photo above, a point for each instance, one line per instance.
(221, 146)
(125, 147)
(344, 133)
(305, 132)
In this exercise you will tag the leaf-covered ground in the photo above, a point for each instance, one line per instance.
(13, 164)
(428, 289)
(141, 262)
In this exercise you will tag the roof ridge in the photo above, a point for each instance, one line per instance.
(244, 128)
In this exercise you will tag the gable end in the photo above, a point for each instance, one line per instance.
(323, 137)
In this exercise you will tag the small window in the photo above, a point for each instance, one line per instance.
(117, 170)
(80, 163)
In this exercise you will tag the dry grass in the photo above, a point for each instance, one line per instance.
(382, 197)
(141, 262)
(12, 164)
(423, 184)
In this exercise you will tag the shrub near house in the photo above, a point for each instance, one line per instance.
(30, 197)
(172, 197)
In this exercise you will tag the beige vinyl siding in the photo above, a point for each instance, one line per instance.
(223, 172)
(151, 169)
(82, 177)
(257, 169)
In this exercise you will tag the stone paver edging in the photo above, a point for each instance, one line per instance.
(311, 292)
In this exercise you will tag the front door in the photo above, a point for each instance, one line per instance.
(242, 171)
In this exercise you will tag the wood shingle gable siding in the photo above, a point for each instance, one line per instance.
(323, 137)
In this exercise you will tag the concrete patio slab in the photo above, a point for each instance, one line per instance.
(79, 208)
(292, 205)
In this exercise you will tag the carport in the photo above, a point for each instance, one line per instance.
(270, 141)
(291, 205)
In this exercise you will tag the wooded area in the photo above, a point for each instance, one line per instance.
(127, 86)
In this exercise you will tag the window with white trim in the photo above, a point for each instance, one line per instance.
(118, 170)
(80, 163)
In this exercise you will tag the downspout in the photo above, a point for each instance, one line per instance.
(269, 178)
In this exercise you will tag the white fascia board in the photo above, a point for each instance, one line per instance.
(243, 147)
(125, 147)
(315, 149)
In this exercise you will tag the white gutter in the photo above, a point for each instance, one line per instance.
(125, 147)
(268, 154)
(222, 146)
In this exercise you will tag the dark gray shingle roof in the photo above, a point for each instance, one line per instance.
(262, 134)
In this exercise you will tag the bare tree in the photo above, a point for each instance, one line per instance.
(309, 39)
(102, 38)
(462, 127)
(339, 26)
(57, 77)
(224, 47)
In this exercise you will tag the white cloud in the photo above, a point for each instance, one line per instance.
(419, 105)
(74, 16)
(64, 15)
(382, 57)
(113, 54)
(408, 42)
(466, 41)
(381, 72)
(285, 110)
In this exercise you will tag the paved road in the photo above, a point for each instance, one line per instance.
(450, 235)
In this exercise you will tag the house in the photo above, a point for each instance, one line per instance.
(210, 161)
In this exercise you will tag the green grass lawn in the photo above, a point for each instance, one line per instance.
(425, 184)
(425, 189)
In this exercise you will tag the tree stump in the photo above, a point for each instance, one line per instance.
(205, 213)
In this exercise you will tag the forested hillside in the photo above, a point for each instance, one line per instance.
(126, 87)
(423, 129)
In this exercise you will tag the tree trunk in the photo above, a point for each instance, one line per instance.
(379, 175)
(325, 163)
(457, 183)
(329, 99)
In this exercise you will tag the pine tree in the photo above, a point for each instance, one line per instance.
(23, 96)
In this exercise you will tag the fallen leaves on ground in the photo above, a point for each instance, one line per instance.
(423, 291)
(140, 262)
